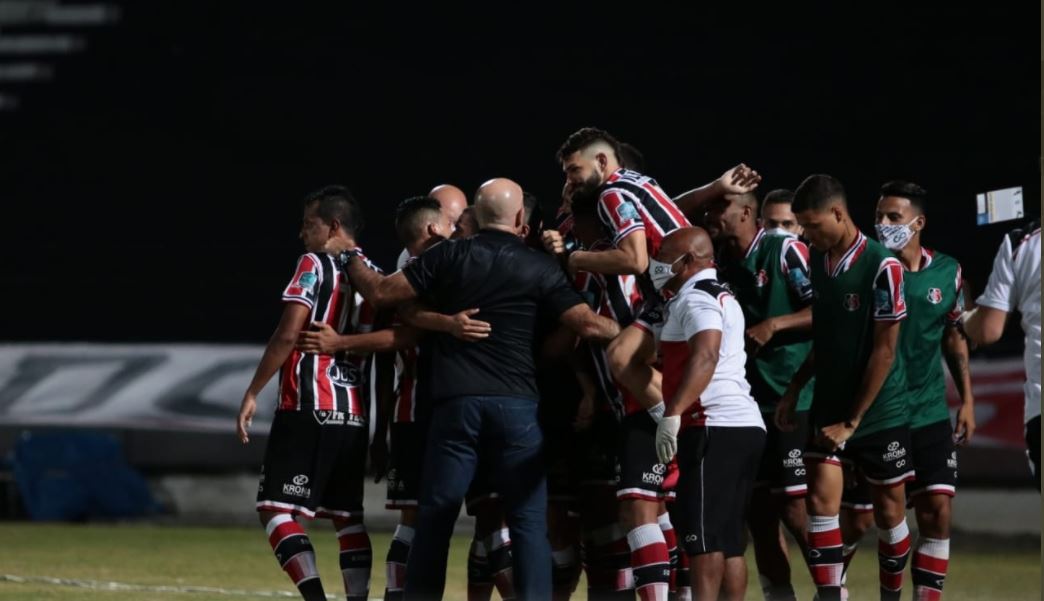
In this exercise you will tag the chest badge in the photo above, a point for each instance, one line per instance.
(934, 296)
(850, 302)
(761, 279)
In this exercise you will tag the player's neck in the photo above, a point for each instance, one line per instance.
(848, 238)
(744, 238)
(910, 256)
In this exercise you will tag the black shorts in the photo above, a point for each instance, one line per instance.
(883, 458)
(782, 468)
(716, 468)
(642, 476)
(406, 463)
(934, 459)
(598, 463)
(315, 463)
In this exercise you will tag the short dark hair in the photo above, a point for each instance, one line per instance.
(585, 202)
(779, 196)
(582, 138)
(337, 203)
(410, 212)
(917, 195)
(631, 158)
(817, 192)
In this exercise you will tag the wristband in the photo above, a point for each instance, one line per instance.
(346, 256)
(656, 411)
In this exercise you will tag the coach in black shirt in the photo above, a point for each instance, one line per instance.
(484, 396)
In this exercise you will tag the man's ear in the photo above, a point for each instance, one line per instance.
(838, 215)
(603, 161)
(335, 226)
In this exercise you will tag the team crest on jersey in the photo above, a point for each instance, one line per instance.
(761, 279)
(626, 211)
(850, 302)
(934, 296)
(307, 280)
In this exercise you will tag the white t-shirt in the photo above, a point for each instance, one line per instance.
(404, 256)
(1015, 284)
(703, 303)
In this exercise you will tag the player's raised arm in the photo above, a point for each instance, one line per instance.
(737, 180)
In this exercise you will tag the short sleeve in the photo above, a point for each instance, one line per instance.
(423, 272)
(957, 309)
(304, 285)
(794, 264)
(618, 210)
(1000, 289)
(700, 312)
(889, 294)
(556, 294)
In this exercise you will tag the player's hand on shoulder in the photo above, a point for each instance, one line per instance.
(336, 246)
(321, 341)
(246, 417)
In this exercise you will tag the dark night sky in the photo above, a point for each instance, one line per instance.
(152, 190)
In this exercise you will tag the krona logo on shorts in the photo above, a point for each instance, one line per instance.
(659, 469)
(934, 296)
(793, 459)
(850, 302)
(952, 461)
(297, 488)
(894, 451)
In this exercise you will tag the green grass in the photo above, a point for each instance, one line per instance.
(239, 558)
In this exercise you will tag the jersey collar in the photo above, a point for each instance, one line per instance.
(849, 258)
(754, 243)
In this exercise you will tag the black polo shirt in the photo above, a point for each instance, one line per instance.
(511, 284)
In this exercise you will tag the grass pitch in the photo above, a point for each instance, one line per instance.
(239, 558)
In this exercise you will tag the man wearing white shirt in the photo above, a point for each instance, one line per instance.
(1015, 284)
(708, 400)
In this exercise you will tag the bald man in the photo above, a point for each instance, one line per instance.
(484, 391)
(707, 398)
(452, 202)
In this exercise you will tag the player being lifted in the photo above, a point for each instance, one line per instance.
(637, 215)
(859, 413)
(934, 302)
(315, 460)
(768, 273)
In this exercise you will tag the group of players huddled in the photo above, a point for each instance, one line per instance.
(775, 368)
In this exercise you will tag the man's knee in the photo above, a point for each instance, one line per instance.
(933, 515)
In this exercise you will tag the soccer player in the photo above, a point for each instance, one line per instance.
(607, 554)
(1015, 284)
(776, 214)
(316, 455)
(636, 214)
(768, 273)
(708, 400)
(934, 303)
(859, 413)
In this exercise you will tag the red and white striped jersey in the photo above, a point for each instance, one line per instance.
(315, 382)
(405, 410)
(618, 298)
(629, 202)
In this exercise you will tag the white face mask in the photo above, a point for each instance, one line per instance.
(660, 273)
(778, 231)
(895, 237)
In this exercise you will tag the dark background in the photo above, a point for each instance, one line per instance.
(152, 190)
